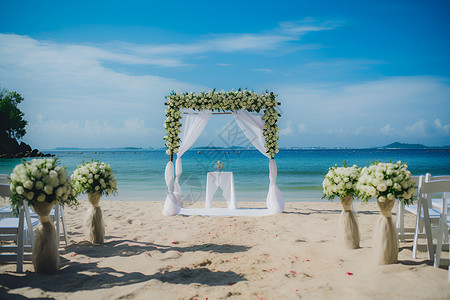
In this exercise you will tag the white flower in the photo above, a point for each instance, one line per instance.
(20, 190)
(39, 185)
(30, 196)
(382, 199)
(59, 192)
(28, 184)
(41, 198)
(382, 187)
(48, 189)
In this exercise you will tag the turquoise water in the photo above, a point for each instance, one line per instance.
(140, 174)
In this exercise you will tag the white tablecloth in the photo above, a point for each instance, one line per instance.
(225, 181)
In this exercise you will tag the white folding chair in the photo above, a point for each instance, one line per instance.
(16, 230)
(4, 178)
(56, 215)
(429, 215)
(408, 233)
(441, 186)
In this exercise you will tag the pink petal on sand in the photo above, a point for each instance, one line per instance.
(175, 243)
(293, 272)
(349, 274)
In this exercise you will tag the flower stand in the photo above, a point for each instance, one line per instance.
(385, 238)
(348, 224)
(45, 251)
(94, 227)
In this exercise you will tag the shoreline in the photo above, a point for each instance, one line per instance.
(295, 254)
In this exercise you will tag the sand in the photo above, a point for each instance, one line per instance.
(291, 255)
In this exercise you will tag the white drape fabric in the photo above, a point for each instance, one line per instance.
(194, 124)
(171, 205)
(253, 126)
(225, 181)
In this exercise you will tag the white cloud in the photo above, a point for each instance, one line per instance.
(282, 38)
(302, 128)
(441, 128)
(387, 130)
(90, 133)
(69, 82)
(418, 128)
(263, 70)
(288, 130)
(363, 110)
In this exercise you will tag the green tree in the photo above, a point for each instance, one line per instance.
(12, 124)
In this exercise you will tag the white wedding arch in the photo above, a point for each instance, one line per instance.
(261, 131)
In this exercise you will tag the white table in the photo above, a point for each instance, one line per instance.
(225, 181)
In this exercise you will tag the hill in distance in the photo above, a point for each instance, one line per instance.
(398, 145)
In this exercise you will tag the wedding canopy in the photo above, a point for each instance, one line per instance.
(261, 131)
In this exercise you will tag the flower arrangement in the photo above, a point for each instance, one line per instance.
(94, 177)
(386, 181)
(340, 181)
(222, 101)
(40, 180)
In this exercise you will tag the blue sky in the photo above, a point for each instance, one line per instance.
(348, 73)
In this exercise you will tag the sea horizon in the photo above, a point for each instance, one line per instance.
(140, 172)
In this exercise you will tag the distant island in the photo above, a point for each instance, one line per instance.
(398, 145)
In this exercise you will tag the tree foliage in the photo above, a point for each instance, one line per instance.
(12, 123)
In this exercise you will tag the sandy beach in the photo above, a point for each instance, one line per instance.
(292, 255)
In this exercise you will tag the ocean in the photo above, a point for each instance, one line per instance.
(140, 173)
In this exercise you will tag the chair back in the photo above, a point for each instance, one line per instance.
(5, 190)
(4, 178)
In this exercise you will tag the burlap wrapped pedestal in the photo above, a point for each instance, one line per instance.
(385, 238)
(348, 224)
(45, 251)
(94, 228)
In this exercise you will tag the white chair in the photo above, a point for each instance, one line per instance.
(56, 215)
(408, 233)
(440, 187)
(16, 230)
(429, 215)
(4, 178)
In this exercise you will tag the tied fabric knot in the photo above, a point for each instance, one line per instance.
(347, 202)
(44, 219)
(94, 199)
(43, 209)
(386, 207)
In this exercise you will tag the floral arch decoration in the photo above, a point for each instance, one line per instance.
(222, 101)
(238, 103)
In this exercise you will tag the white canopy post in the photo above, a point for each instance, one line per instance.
(171, 205)
(195, 123)
(252, 126)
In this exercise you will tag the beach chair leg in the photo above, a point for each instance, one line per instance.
(416, 232)
(440, 233)
(20, 237)
(63, 221)
(400, 219)
(57, 225)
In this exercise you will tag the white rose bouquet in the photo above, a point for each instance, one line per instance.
(94, 177)
(40, 180)
(386, 181)
(340, 181)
